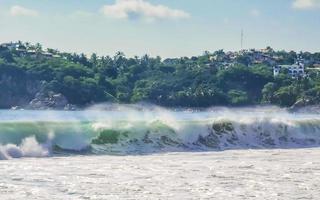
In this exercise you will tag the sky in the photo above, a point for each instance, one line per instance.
(168, 28)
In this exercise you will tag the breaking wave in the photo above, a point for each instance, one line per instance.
(28, 148)
(137, 131)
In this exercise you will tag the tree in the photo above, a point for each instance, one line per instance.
(243, 59)
(238, 97)
(94, 59)
(38, 48)
(286, 96)
(6, 56)
(189, 82)
(52, 51)
(268, 92)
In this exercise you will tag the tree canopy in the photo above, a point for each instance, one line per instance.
(189, 82)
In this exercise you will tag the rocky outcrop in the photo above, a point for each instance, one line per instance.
(13, 91)
(17, 91)
(34, 87)
(50, 100)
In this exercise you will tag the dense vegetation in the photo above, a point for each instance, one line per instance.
(187, 82)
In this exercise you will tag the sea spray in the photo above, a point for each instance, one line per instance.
(129, 130)
(28, 148)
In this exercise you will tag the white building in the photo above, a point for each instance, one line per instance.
(296, 70)
(11, 45)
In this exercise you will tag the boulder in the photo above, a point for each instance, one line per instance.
(49, 100)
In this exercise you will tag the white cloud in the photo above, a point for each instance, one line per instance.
(136, 9)
(22, 11)
(306, 4)
(255, 12)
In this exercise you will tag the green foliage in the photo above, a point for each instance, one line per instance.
(286, 96)
(268, 92)
(189, 82)
(6, 56)
(238, 97)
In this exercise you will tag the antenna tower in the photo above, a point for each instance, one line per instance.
(242, 35)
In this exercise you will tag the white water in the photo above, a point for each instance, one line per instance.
(240, 175)
(28, 148)
(127, 131)
(204, 168)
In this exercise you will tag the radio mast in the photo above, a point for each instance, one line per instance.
(242, 39)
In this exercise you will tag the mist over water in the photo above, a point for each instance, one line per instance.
(135, 129)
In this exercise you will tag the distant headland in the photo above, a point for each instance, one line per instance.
(36, 78)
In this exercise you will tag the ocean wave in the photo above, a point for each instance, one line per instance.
(165, 134)
(28, 148)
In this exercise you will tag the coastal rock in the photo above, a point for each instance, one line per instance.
(70, 107)
(12, 89)
(17, 91)
(49, 100)
(34, 87)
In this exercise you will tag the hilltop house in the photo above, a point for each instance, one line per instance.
(11, 45)
(295, 70)
(22, 50)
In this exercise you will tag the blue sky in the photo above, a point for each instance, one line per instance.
(169, 28)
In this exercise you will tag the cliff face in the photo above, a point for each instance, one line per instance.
(13, 90)
(17, 90)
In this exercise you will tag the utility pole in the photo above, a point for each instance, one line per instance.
(242, 39)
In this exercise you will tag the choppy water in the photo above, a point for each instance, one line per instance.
(241, 174)
(129, 131)
(152, 153)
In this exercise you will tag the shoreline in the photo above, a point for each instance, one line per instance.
(312, 109)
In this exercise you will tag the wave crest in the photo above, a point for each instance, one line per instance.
(28, 148)
(151, 133)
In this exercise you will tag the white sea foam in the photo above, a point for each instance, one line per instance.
(239, 174)
(130, 129)
(28, 148)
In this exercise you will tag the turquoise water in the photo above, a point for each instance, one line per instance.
(128, 130)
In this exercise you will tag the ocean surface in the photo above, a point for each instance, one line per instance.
(132, 152)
